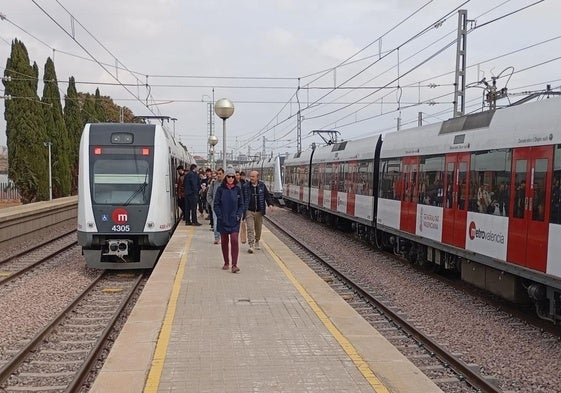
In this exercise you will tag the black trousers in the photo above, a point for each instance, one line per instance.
(191, 208)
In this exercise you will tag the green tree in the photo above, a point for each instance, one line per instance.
(74, 127)
(25, 127)
(56, 132)
(88, 109)
(98, 108)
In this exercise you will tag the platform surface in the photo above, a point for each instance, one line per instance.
(273, 327)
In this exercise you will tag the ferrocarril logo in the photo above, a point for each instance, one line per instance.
(490, 236)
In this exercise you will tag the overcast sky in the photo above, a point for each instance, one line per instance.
(389, 59)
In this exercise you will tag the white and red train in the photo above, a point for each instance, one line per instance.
(478, 194)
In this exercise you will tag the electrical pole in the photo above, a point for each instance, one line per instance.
(460, 79)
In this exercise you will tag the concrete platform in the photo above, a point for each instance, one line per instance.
(273, 327)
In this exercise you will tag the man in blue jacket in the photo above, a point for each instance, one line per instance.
(256, 198)
(191, 186)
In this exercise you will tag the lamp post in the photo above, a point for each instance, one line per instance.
(49, 144)
(212, 141)
(224, 108)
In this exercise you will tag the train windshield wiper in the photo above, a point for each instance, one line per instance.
(141, 188)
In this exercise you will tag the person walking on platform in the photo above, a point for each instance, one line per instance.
(256, 198)
(211, 194)
(229, 208)
(191, 186)
(179, 191)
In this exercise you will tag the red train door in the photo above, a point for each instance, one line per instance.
(530, 190)
(455, 199)
(351, 187)
(334, 186)
(409, 197)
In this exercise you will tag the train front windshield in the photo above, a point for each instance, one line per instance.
(121, 181)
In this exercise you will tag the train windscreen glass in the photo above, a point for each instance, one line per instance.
(121, 182)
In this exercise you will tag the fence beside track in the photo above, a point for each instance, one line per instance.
(21, 220)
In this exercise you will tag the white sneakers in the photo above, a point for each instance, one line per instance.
(251, 248)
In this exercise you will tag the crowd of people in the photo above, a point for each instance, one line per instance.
(229, 202)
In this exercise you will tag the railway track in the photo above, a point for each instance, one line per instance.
(60, 356)
(23, 261)
(446, 369)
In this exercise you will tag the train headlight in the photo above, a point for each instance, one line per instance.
(113, 246)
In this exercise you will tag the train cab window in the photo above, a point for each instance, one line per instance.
(121, 182)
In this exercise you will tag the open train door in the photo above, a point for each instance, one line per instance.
(455, 199)
(530, 192)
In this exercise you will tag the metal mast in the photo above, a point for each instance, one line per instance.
(460, 80)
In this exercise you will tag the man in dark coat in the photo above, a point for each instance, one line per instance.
(191, 190)
(256, 199)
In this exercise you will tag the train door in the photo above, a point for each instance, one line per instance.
(409, 197)
(455, 199)
(301, 182)
(530, 189)
(334, 186)
(351, 187)
(321, 180)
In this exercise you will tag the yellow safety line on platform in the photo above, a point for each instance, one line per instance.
(153, 381)
(359, 362)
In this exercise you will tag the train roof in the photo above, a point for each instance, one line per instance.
(360, 149)
(529, 124)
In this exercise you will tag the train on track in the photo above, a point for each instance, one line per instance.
(270, 172)
(478, 195)
(127, 207)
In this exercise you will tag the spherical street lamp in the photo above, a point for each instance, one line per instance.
(212, 141)
(224, 108)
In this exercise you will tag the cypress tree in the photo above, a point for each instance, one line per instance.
(56, 131)
(25, 127)
(98, 108)
(88, 110)
(74, 127)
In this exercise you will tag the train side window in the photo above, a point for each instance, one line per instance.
(343, 173)
(430, 183)
(364, 182)
(538, 200)
(315, 175)
(520, 188)
(489, 181)
(391, 187)
(555, 214)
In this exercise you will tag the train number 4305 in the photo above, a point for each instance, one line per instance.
(121, 228)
